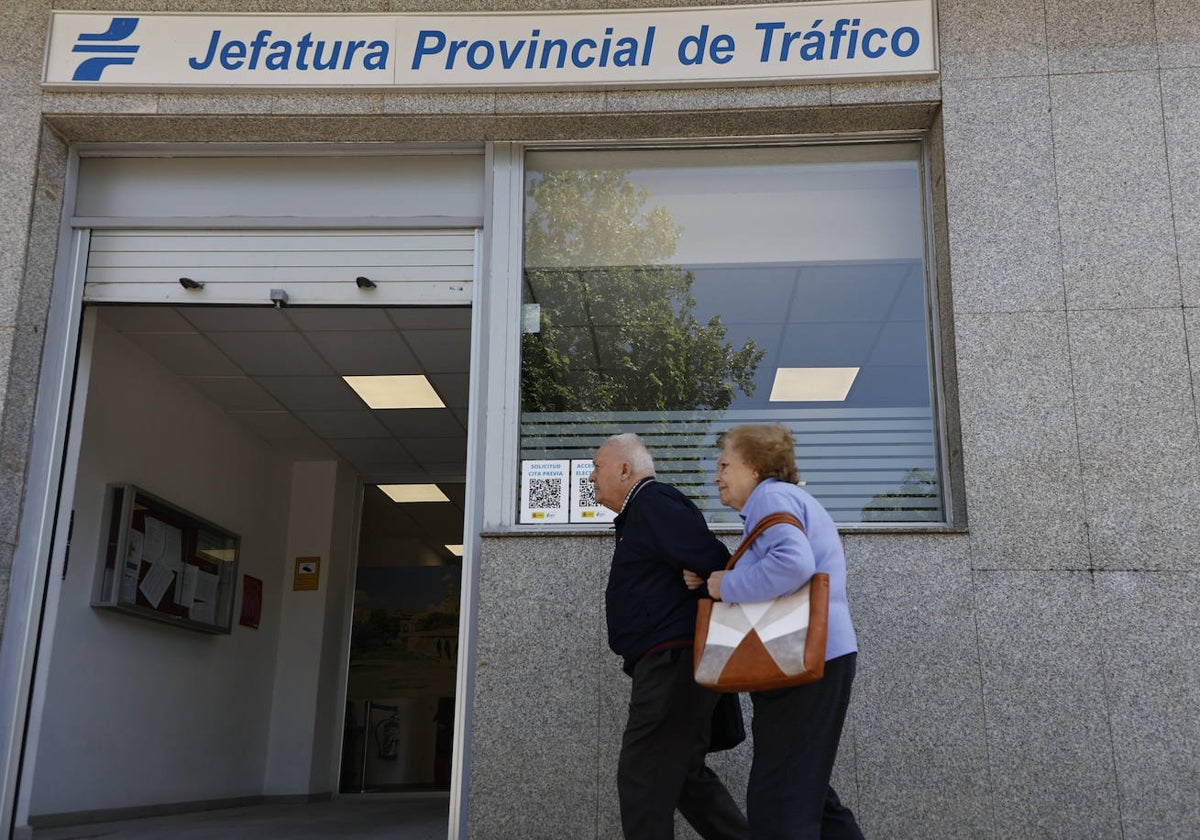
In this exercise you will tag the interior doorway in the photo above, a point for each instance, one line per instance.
(249, 418)
(400, 691)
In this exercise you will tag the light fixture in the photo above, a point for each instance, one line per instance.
(190, 284)
(279, 297)
(456, 550)
(411, 391)
(364, 282)
(406, 493)
(815, 384)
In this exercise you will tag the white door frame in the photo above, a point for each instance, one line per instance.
(25, 619)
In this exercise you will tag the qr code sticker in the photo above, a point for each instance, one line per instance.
(545, 493)
(587, 493)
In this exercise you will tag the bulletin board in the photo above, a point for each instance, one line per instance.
(161, 562)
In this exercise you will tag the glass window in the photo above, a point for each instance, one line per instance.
(679, 292)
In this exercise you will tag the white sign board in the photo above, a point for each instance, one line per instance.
(584, 508)
(544, 492)
(786, 42)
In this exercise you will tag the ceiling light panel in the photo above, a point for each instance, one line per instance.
(408, 493)
(380, 392)
(824, 384)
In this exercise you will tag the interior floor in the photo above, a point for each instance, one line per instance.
(345, 818)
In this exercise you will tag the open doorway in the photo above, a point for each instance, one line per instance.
(247, 418)
(404, 641)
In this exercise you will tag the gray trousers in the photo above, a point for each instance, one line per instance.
(662, 765)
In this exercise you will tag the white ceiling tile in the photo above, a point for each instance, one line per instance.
(187, 354)
(320, 318)
(343, 424)
(312, 393)
(271, 354)
(453, 388)
(237, 318)
(431, 317)
(421, 422)
(235, 393)
(441, 351)
(143, 319)
(437, 450)
(366, 353)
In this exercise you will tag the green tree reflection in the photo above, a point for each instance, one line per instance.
(616, 330)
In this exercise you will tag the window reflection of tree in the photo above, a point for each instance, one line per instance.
(616, 329)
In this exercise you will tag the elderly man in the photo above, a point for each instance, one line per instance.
(651, 624)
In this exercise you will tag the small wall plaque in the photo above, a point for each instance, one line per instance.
(308, 573)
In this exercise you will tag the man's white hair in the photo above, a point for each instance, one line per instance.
(635, 452)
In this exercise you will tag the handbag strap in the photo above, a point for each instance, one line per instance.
(763, 524)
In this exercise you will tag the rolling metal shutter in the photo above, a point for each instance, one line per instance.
(429, 266)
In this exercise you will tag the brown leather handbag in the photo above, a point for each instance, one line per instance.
(766, 645)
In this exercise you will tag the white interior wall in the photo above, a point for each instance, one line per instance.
(335, 642)
(136, 712)
(302, 721)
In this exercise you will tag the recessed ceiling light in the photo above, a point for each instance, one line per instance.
(456, 550)
(825, 384)
(412, 391)
(402, 493)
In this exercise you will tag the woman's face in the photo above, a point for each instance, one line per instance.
(736, 480)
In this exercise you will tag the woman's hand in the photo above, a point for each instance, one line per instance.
(714, 585)
(692, 580)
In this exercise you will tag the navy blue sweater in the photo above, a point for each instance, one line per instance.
(660, 533)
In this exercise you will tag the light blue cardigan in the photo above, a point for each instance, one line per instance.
(782, 559)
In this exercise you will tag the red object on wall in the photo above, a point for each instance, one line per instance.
(251, 601)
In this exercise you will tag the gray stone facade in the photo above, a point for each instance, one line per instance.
(1029, 674)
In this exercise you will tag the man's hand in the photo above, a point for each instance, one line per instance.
(714, 585)
(692, 580)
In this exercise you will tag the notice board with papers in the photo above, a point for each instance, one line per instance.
(159, 561)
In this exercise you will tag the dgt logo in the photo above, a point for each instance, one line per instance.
(89, 69)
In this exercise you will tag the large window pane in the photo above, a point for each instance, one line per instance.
(679, 292)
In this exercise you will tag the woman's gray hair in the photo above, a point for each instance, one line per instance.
(635, 452)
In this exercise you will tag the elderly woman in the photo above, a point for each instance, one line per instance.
(796, 730)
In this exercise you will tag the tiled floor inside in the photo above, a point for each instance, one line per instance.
(370, 817)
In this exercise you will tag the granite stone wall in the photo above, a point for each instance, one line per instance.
(1031, 674)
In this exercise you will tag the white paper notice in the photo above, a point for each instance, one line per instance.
(205, 611)
(133, 564)
(544, 491)
(164, 544)
(206, 586)
(583, 496)
(154, 584)
(187, 587)
(204, 597)
(156, 539)
(173, 547)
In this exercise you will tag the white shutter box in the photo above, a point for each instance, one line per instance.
(319, 267)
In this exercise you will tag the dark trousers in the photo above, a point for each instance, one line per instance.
(796, 735)
(662, 767)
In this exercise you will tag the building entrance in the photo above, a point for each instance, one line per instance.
(305, 432)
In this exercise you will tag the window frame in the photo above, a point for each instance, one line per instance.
(504, 264)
